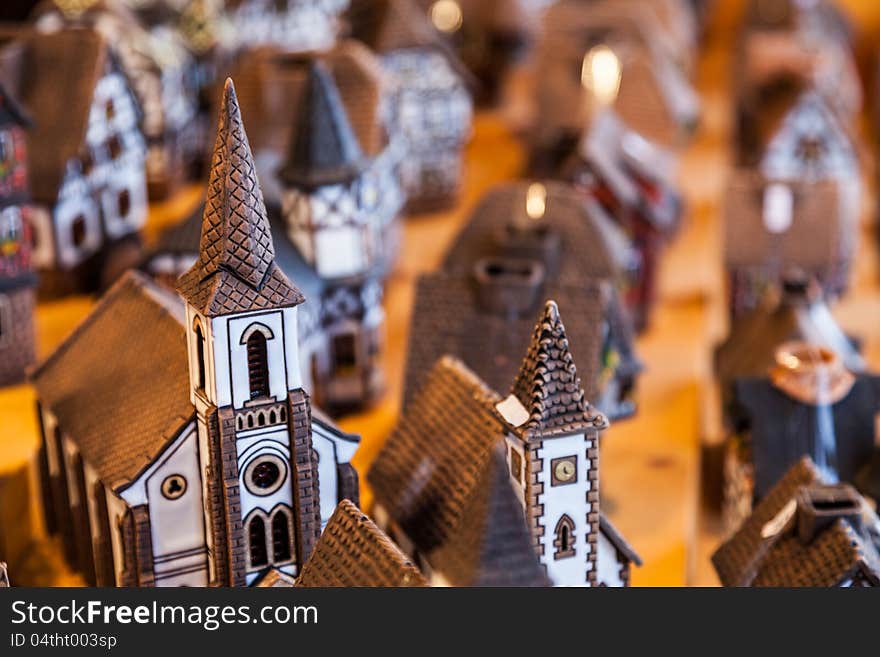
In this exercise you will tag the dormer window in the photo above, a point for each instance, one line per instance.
(124, 203)
(258, 365)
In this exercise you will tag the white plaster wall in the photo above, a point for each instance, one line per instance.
(340, 251)
(571, 500)
(75, 201)
(116, 508)
(607, 566)
(127, 176)
(332, 450)
(178, 529)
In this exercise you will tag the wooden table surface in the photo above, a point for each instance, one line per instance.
(649, 464)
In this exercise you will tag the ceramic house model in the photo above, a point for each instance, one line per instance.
(200, 465)
(431, 109)
(161, 73)
(795, 203)
(499, 270)
(806, 532)
(86, 160)
(631, 178)
(469, 476)
(590, 61)
(295, 25)
(17, 279)
(340, 210)
(808, 404)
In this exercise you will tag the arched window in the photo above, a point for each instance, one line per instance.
(280, 536)
(258, 366)
(200, 355)
(257, 542)
(564, 541)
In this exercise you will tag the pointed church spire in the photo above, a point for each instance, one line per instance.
(548, 385)
(324, 149)
(236, 269)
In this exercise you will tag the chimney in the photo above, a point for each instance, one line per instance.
(528, 235)
(509, 287)
(819, 506)
(798, 288)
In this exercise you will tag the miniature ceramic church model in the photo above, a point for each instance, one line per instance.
(318, 213)
(631, 178)
(525, 243)
(469, 474)
(806, 532)
(17, 279)
(201, 464)
(808, 404)
(86, 160)
(161, 73)
(431, 107)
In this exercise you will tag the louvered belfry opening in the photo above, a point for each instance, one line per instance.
(258, 366)
(280, 537)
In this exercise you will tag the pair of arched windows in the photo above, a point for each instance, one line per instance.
(270, 538)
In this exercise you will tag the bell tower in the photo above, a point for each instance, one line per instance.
(260, 482)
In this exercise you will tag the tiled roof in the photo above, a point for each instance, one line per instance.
(448, 318)
(352, 552)
(588, 248)
(491, 546)
(426, 471)
(548, 385)
(618, 541)
(236, 270)
(836, 554)
(324, 149)
(121, 393)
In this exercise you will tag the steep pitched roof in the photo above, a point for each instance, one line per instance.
(548, 385)
(756, 557)
(121, 393)
(738, 559)
(352, 551)
(59, 129)
(588, 239)
(491, 546)
(324, 149)
(428, 468)
(449, 318)
(618, 541)
(236, 270)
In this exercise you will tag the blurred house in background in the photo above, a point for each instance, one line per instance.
(86, 160)
(431, 109)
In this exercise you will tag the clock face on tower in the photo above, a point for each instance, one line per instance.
(563, 470)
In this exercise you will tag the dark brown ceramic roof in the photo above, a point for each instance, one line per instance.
(121, 393)
(50, 73)
(428, 468)
(618, 541)
(324, 149)
(352, 551)
(236, 270)
(837, 555)
(448, 319)
(587, 250)
(548, 385)
(491, 546)
(738, 559)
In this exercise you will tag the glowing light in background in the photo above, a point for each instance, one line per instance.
(446, 15)
(600, 74)
(536, 201)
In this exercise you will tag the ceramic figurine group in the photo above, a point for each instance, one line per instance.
(213, 463)
(798, 405)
